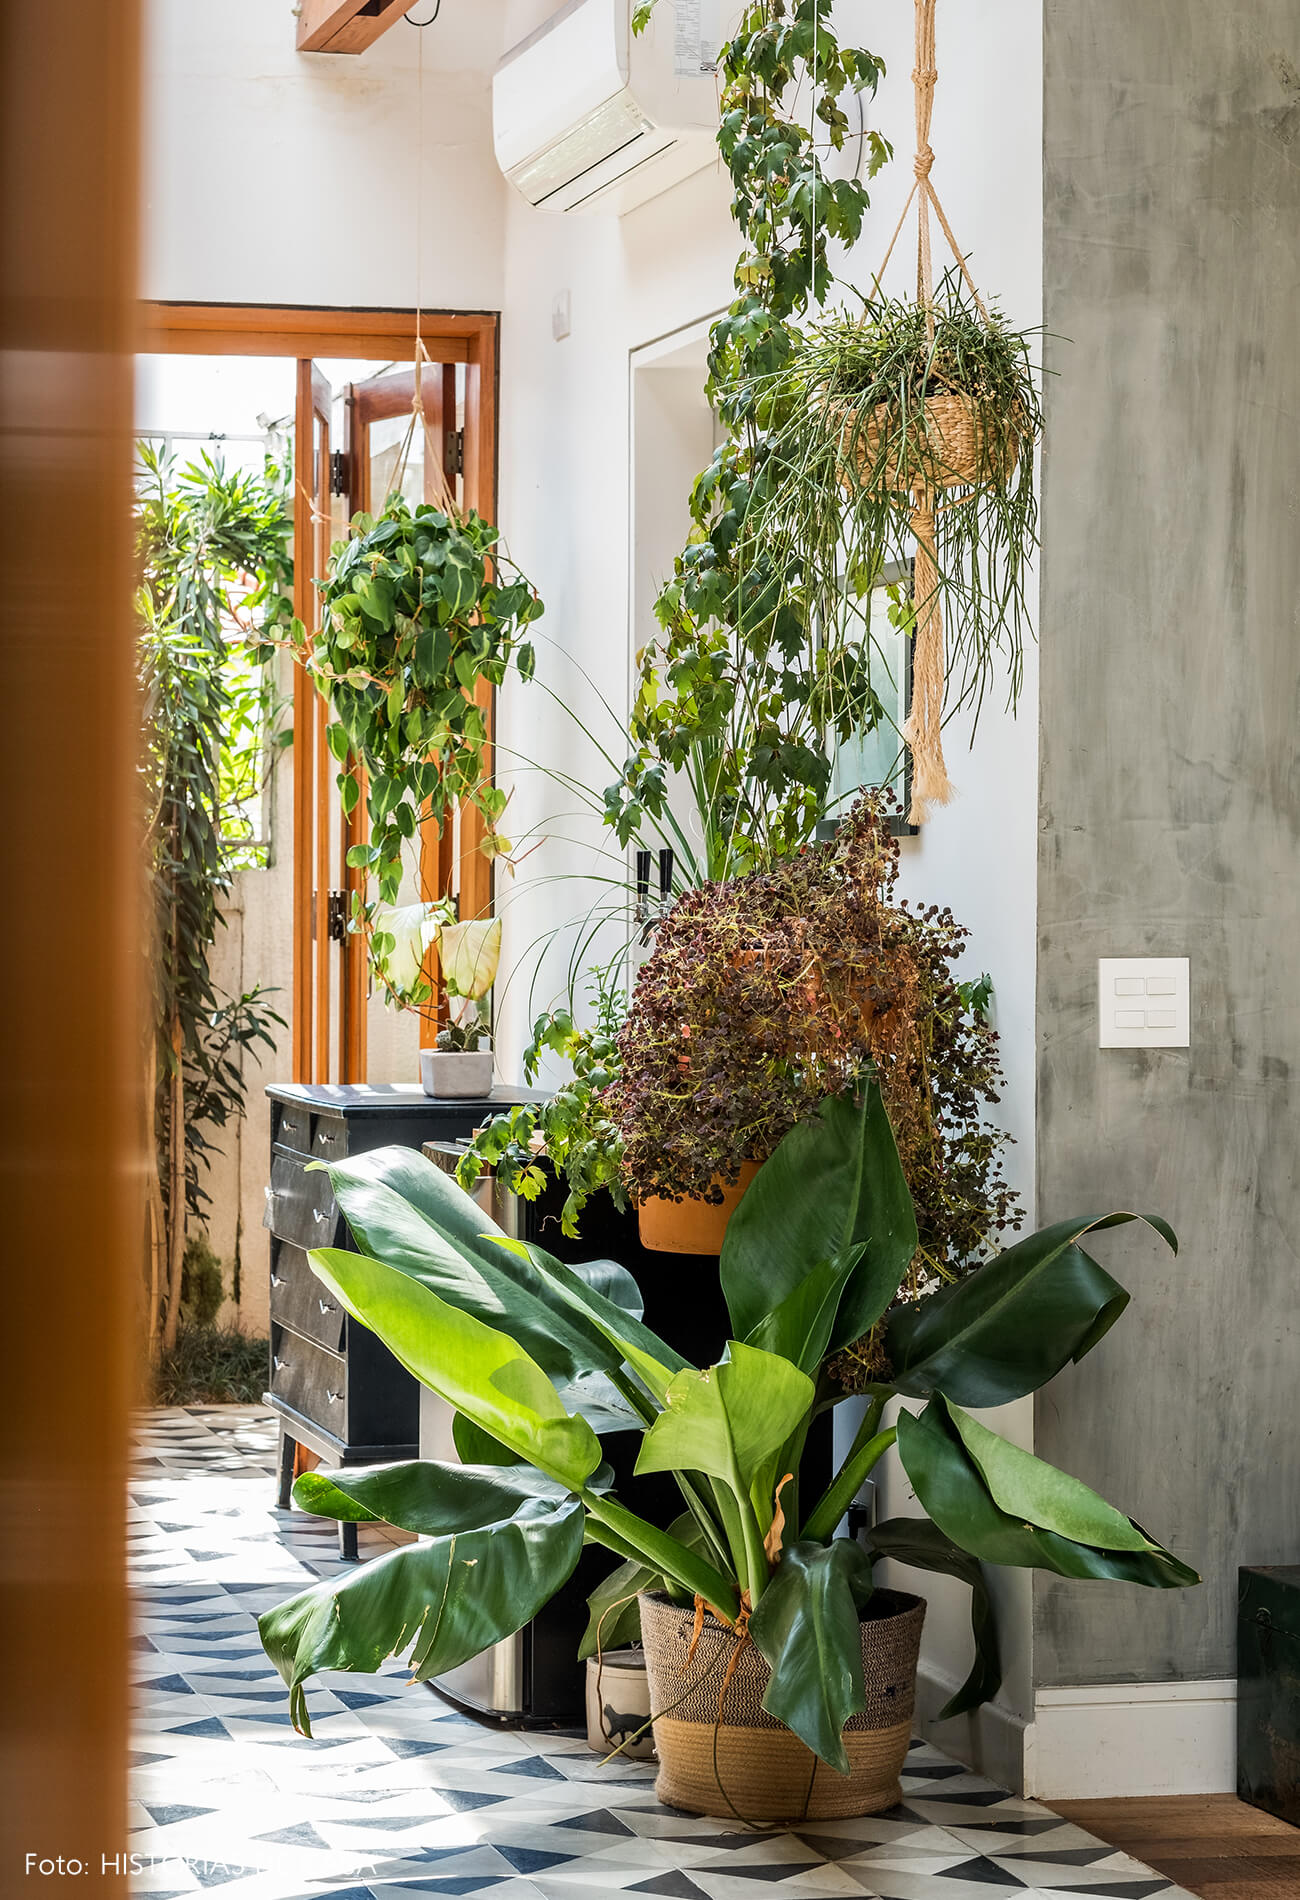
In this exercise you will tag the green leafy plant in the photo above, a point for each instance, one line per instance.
(574, 1130)
(423, 608)
(751, 683)
(539, 1359)
(855, 446)
(214, 583)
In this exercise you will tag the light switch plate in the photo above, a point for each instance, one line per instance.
(1144, 1002)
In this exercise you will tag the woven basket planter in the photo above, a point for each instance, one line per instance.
(951, 442)
(738, 1761)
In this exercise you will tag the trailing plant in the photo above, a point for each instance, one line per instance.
(537, 1359)
(858, 445)
(214, 575)
(755, 678)
(574, 1130)
(422, 610)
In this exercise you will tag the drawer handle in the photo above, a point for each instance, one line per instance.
(327, 1306)
(277, 1279)
(322, 1216)
(333, 1397)
(278, 1364)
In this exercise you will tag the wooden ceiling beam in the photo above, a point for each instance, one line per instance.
(345, 26)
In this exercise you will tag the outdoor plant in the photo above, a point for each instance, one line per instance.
(214, 579)
(539, 1359)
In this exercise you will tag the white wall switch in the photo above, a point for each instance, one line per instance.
(1127, 1020)
(561, 315)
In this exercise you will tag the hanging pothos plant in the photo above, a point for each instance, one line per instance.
(751, 686)
(421, 607)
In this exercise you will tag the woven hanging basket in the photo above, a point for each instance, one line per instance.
(722, 1753)
(949, 441)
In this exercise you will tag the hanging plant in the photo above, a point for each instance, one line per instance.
(912, 435)
(909, 428)
(421, 606)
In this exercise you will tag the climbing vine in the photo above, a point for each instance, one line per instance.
(748, 689)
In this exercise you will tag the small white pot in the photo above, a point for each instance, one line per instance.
(455, 1075)
(618, 1702)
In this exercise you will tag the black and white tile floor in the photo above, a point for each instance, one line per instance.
(398, 1795)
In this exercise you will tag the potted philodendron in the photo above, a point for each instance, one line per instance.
(781, 1675)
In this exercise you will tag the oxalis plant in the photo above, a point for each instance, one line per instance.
(541, 1362)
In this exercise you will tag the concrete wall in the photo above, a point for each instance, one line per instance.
(1168, 810)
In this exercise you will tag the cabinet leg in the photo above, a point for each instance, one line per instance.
(348, 1543)
(288, 1454)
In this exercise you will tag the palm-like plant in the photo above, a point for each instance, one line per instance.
(540, 1360)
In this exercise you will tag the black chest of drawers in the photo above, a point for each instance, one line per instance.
(338, 1392)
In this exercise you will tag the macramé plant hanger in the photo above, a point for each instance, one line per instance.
(905, 433)
(963, 435)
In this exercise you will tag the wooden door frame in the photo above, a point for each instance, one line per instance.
(304, 333)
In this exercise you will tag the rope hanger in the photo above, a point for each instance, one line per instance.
(922, 730)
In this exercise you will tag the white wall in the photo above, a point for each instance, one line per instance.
(273, 176)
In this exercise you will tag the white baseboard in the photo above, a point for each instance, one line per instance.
(1137, 1738)
(991, 1740)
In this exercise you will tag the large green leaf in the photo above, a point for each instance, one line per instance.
(1012, 1325)
(800, 1327)
(494, 1553)
(833, 1192)
(650, 1357)
(615, 1617)
(918, 1542)
(406, 1212)
(728, 1421)
(480, 1371)
(1024, 1486)
(807, 1627)
(953, 1491)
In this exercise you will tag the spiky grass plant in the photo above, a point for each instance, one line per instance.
(851, 447)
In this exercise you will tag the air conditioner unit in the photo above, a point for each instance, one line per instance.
(588, 116)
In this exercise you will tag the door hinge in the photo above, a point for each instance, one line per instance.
(336, 912)
(338, 473)
(455, 451)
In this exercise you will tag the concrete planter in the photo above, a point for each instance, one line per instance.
(456, 1075)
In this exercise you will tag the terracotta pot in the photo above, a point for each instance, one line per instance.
(727, 1756)
(692, 1226)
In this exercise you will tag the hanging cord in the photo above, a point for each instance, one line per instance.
(437, 9)
(435, 473)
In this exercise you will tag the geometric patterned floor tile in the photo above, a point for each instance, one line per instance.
(402, 1795)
